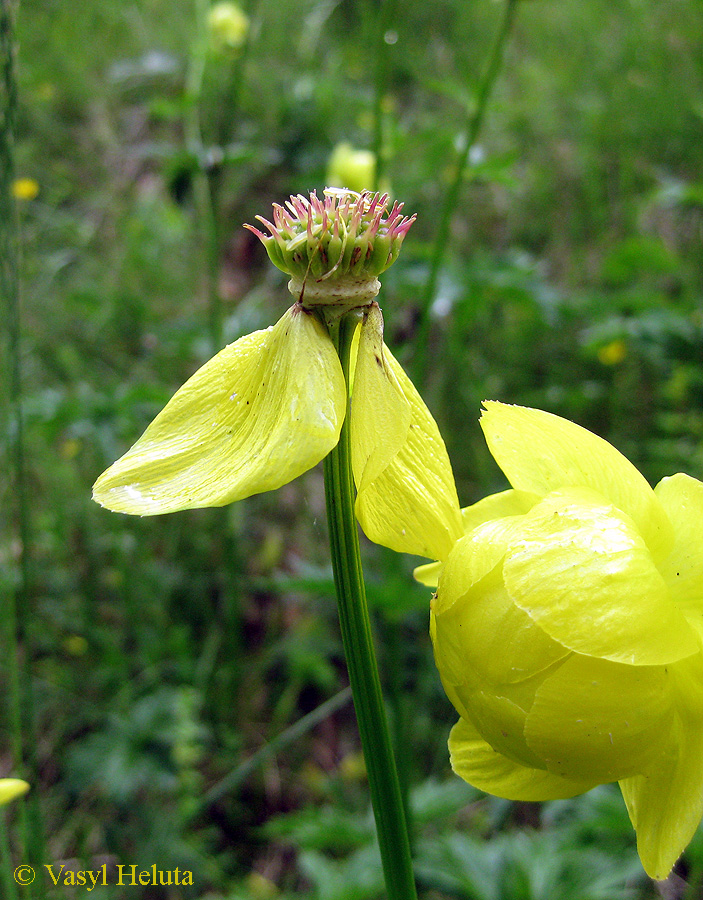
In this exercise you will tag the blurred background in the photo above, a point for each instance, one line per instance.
(189, 690)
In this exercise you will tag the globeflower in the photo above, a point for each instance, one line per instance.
(567, 629)
(271, 405)
(228, 26)
(349, 167)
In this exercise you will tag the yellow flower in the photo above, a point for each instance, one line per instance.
(271, 405)
(227, 26)
(11, 788)
(351, 168)
(614, 353)
(567, 630)
(25, 189)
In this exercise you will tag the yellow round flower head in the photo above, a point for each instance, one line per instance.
(271, 405)
(25, 189)
(228, 26)
(567, 630)
(351, 168)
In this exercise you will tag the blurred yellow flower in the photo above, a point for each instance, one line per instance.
(75, 645)
(613, 353)
(353, 169)
(567, 630)
(11, 788)
(25, 189)
(260, 887)
(228, 26)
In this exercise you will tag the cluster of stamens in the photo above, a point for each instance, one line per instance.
(342, 238)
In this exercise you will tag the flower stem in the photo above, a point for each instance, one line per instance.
(205, 206)
(468, 139)
(15, 614)
(385, 791)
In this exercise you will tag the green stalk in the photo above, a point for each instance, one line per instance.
(202, 189)
(469, 136)
(383, 12)
(9, 886)
(15, 611)
(355, 625)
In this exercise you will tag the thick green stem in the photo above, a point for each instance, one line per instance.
(385, 791)
(468, 138)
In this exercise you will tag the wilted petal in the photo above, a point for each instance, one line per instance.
(600, 720)
(540, 453)
(665, 802)
(682, 498)
(264, 410)
(581, 570)
(406, 494)
(483, 767)
(381, 413)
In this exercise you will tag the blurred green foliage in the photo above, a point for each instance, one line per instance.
(166, 651)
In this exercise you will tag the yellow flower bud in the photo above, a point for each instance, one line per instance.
(227, 25)
(351, 168)
(567, 630)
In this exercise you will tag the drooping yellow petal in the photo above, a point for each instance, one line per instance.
(682, 498)
(583, 573)
(11, 788)
(540, 453)
(406, 494)
(380, 429)
(665, 801)
(600, 720)
(257, 415)
(478, 763)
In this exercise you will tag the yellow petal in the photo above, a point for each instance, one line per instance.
(665, 801)
(599, 720)
(473, 556)
(406, 494)
(484, 630)
(540, 453)
(257, 415)
(582, 572)
(478, 763)
(495, 506)
(499, 715)
(11, 788)
(428, 574)
(381, 414)
(682, 498)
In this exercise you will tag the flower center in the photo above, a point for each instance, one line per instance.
(335, 247)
